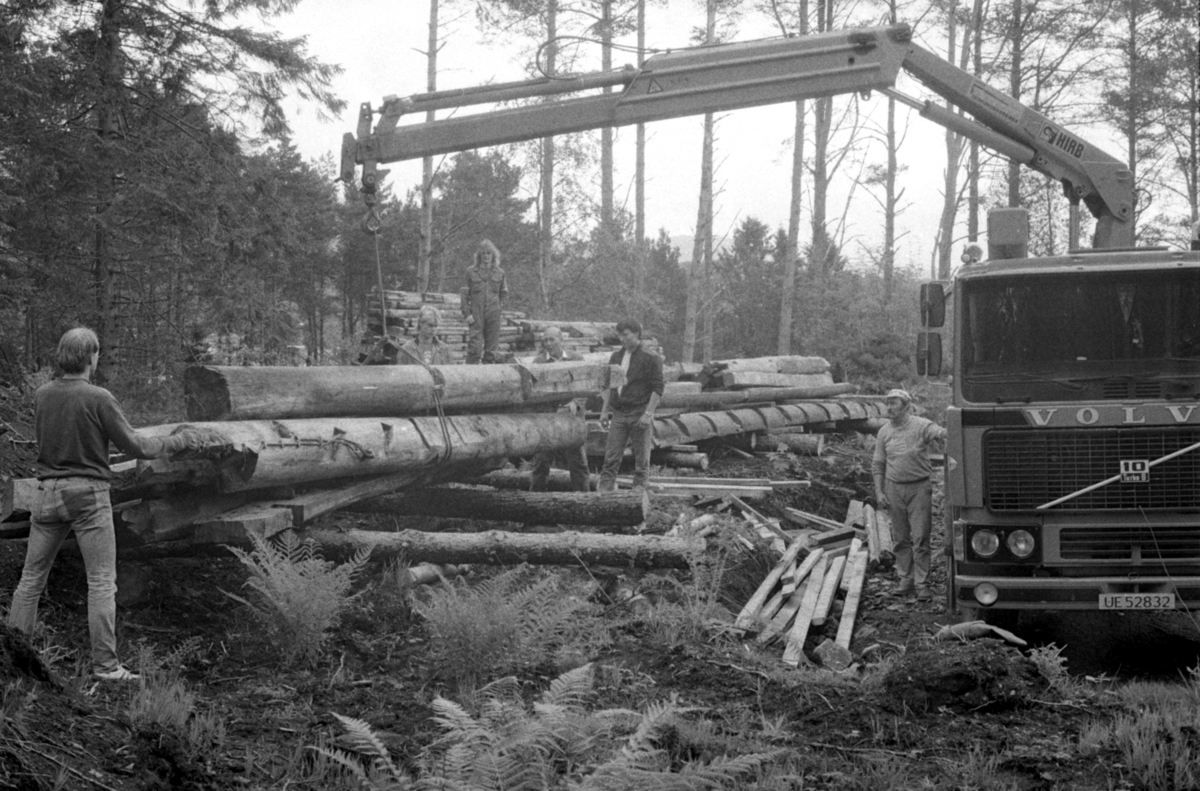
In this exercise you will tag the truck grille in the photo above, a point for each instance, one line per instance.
(1028, 468)
(1129, 544)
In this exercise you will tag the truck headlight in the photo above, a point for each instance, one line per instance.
(985, 543)
(1020, 543)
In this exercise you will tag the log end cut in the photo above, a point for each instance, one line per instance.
(206, 394)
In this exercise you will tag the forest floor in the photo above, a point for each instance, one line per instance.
(999, 718)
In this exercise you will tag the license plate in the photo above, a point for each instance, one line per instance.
(1137, 601)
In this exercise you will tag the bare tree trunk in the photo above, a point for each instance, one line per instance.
(973, 202)
(698, 275)
(546, 237)
(606, 133)
(108, 65)
(891, 199)
(788, 298)
(425, 253)
(954, 144)
(1017, 42)
(639, 169)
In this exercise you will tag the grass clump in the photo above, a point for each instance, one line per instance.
(511, 622)
(297, 595)
(163, 702)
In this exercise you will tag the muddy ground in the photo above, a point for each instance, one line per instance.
(910, 713)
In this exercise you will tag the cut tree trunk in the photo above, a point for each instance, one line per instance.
(499, 548)
(260, 454)
(539, 508)
(790, 364)
(689, 399)
(759, 379)
(692, 427)
(800, 444)
(279, 392)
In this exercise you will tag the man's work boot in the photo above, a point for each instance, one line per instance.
(906, 587)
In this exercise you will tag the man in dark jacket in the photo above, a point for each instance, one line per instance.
(628, 411)
(481, 302)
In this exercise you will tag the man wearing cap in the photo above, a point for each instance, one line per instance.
(901, 469)
(575, 459)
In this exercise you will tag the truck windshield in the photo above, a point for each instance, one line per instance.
(1081, 336)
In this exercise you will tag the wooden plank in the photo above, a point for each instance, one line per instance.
(845, 534)
(829, 589)
(883, 529)
(785, 615)
(856, 574)
(747, 617)
(799, 632)
(856, 546)
(805, 518)
(855, 517)
(772, 606)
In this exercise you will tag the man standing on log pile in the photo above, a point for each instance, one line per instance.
(74, 421)
(575, 460)
(486, 289)
(426, 348)
(901, 468)
(631, 407)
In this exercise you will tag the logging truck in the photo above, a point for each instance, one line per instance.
(1073, 457)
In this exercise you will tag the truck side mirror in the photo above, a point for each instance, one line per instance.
(929, 354)
(933, 305)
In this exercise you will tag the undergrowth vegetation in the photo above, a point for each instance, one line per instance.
(296, 594)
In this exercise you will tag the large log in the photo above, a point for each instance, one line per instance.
(759, 379)
(280, 392)
(789, 364)
(692, 427)
(496, 547)
(754, 395)
(539, 508)
(259, 454)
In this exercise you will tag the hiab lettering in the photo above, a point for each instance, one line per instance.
(1059, 139)
(1149, 415)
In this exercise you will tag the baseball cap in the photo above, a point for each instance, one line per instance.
(901, 394)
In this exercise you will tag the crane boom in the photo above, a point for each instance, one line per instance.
(749, 74)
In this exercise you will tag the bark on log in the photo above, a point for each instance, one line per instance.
(787, 364)
(686, 460)
(499, 548)
(692, 427)
(800, 444)
(279, 392)
(541, 508)
(559, 480)
(258, 454)
(674, 399)
(744, 379)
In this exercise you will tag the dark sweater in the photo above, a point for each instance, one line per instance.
(645, 376)
(74, 420)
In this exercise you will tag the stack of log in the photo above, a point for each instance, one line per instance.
(818, 563)
(744, 405)
(402, 309)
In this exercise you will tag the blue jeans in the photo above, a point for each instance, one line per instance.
(82, 505)
(626, 428)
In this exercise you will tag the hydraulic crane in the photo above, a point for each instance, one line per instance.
(749, 74)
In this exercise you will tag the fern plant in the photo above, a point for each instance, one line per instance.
(502, 625)
(298, 595)
(555, 744)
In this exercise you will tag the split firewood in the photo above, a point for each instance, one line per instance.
(856, 546)
(783, 618)
(805, 518)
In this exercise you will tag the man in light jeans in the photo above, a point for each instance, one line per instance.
(74, 421)
(901, 468)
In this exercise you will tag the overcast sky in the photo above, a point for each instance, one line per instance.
(380, 44)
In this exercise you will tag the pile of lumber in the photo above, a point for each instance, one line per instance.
(402, 309)
(817, 565)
